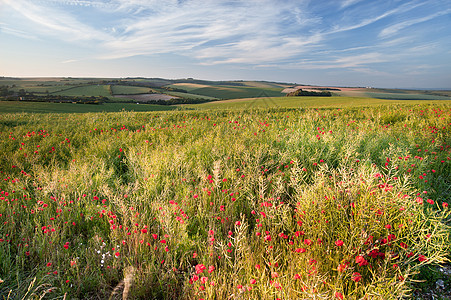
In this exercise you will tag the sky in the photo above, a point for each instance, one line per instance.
(378, 43)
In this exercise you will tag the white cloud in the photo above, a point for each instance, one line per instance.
(217, 32)
(365, 21)
(257, 32)
(347, 3)
(16, 32)
(54, 22)
(394, 29)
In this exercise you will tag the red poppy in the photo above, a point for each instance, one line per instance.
(356, 276)
(339, 243)
(361, 261)
(422, 258)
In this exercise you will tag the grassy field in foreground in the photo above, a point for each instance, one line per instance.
(309, 203)
(304, 102)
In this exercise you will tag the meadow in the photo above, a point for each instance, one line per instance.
(244, 203)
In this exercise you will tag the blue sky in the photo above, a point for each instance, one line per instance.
(389, 43)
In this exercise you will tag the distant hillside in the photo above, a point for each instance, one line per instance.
(189, 89)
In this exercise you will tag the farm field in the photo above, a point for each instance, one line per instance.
(188, 95)
(232, 104)
(304, 102)
(331, 198)
(47, 107)
(128, 90)
(229, 91)
(88, 90)
(395, 95)
(143, 98)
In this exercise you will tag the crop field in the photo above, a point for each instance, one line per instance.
(405, 96)
(390, 94)
(128, 90)
(276, 203)
(304, 102)
(230, 91)
(190, 96)
(47, 107)
(88, 90)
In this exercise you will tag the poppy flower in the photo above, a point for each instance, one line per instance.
(339, 243)
(356, 276)
(361, 261)
(422, 258)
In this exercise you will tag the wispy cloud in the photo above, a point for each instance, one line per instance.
(373, 17)
(394, 29)
(290, 34)
(69, 61)
(55, 22)
(218, 32)
(16, 32)
(347, 3)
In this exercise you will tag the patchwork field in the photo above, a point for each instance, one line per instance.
(143, 98)
(128, 90)
(88, 90)
(231, 91)
(307, 202)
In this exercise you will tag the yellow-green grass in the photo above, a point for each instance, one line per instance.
(396, 94)
(239, 204)
(188, 86)
(303, 102)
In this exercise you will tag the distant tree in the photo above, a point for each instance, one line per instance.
(300, 92)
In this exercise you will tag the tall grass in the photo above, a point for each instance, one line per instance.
(262, 204)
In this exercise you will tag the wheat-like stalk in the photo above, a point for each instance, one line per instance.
(126, 284)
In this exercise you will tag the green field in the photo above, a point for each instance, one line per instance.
(304, 102)
(129, 90)
(392, 94)
(188, 95)
(263, 84)
(88, 90)
(405, 96)
(230, 91)
(235, 104)
(46, 107)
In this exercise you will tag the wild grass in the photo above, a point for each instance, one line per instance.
(242, 204)
(305, 102)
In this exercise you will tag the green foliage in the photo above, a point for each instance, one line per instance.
(301, 92)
